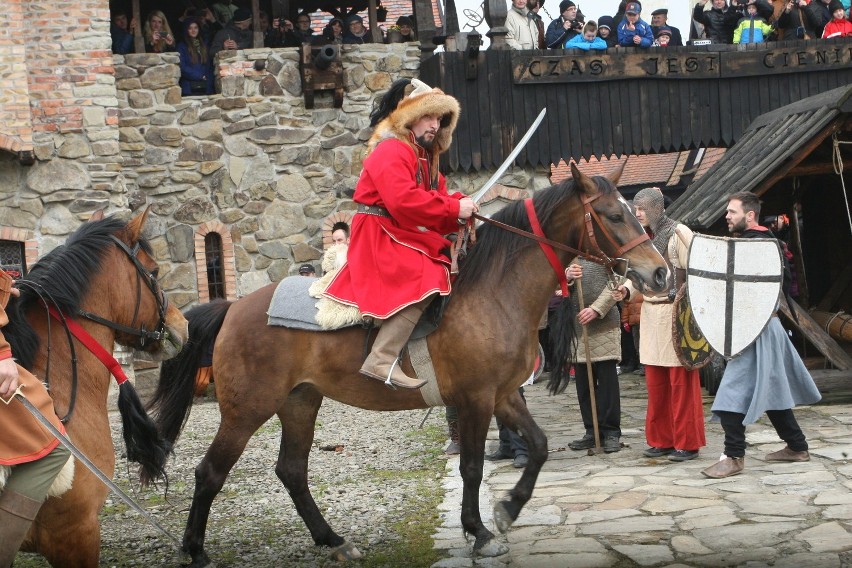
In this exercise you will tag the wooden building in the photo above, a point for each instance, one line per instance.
(794, 159)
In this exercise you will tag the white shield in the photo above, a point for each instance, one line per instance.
(733, 287)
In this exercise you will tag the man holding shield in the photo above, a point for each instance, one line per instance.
(768, 376)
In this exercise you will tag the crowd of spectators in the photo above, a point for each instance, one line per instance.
(201, 31)
(720, 21)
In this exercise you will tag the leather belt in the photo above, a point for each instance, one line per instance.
(373, 210)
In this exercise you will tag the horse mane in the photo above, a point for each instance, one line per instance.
(497, 248)
(61, 278)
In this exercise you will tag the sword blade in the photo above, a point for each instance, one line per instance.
(511, 158)
(77, 453)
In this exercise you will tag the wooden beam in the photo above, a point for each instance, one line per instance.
(840, 285)
(817, 169)
(832, 381)
(374, 25)
(826, 344)
(255, 24)
(798, 255)
(797, 158)
(138, 38)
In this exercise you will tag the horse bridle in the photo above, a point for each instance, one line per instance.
(142, 273)
(598, 257)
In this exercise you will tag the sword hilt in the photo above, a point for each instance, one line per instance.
(12, 396)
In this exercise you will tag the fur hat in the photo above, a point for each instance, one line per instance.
(419, 102)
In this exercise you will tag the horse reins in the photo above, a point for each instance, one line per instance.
(72, 328)
(547, 245)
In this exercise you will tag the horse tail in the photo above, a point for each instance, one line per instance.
(144, 444)
(172, 400)
(563, 345)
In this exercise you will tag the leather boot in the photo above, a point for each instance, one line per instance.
(725, 468)
(453, 448)
(788, 455)
(383, 361)
(17, 513)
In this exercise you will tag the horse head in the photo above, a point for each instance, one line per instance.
(619, 234)
(150, 323)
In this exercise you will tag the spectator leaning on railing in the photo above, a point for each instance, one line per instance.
(633, 31)
(719, 21)
(839, 26)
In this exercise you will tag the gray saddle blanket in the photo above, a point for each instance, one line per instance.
(292, 306)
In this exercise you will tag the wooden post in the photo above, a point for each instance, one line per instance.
(255, 23)
(425, 22)
(593, 399)
(495, 16)
(138, 38)
(374, 25)
(798, 257)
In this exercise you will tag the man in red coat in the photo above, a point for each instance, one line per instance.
(395, 262)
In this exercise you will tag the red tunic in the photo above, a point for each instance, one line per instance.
(391, 263)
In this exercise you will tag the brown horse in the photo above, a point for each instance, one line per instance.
(105, 278)
(483, 349)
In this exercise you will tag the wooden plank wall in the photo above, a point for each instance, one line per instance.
(615, 116)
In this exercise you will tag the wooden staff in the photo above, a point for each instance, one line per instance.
(597, 449)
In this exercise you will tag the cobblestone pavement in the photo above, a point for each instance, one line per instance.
(623, 509)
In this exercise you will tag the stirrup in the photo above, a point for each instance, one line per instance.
(390, 372)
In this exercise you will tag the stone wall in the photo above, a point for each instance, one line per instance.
(257, 168)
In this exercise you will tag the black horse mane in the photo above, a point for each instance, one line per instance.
(497, 248)
(61, 278)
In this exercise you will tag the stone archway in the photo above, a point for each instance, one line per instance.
(228, 264)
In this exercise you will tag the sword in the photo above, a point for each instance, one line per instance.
(508, 161)
(77, 453)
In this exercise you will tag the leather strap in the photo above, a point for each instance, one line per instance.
(546, 248)
(93, 346)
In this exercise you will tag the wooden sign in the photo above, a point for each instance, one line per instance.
(619, 66)
(787, 60)
(659, 63)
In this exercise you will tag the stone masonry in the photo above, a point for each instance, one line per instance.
(252, 163)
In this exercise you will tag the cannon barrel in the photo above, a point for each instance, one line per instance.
(325, 56)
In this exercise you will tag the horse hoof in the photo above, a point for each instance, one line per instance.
(502, 519)
(344, 552)
(492, 549)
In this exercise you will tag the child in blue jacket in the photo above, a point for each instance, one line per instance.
(633, 31)
(588, 40)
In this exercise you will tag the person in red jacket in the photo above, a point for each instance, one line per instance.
(839, 26)
(395, 264)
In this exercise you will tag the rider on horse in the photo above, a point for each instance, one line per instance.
(33, 455)
(395, 262)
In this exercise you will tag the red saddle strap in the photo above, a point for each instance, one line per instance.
(546, 248)
(93, 346)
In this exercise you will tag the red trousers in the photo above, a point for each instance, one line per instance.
(675, 417)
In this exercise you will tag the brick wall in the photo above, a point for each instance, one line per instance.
(68, 64)
(15, 123)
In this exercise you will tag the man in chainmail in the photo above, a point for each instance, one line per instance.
(674, 423)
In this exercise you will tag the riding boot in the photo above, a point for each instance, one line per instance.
(453, 448)
(17, 513)
(383, 361)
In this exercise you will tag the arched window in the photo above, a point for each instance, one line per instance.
(215, 265)
(214, 262)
